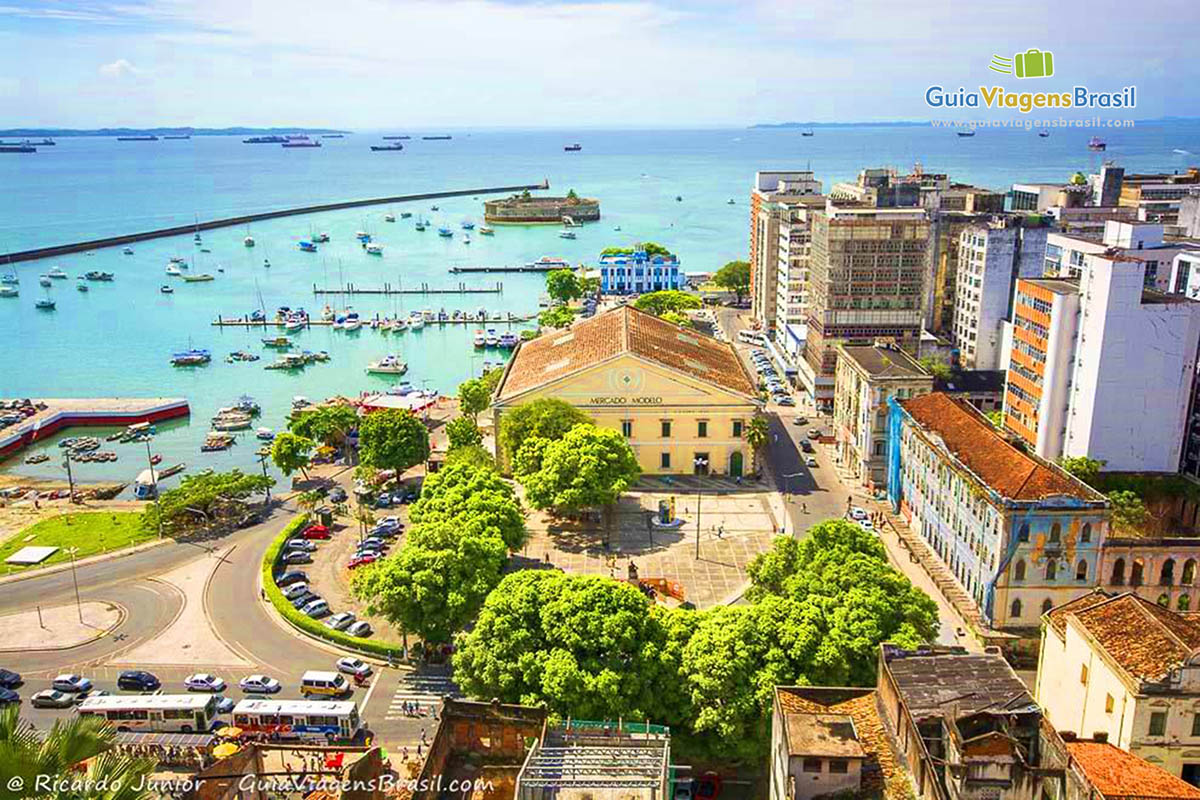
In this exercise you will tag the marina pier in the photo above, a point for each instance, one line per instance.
(422, 288)
(95, 412)
(228, 222)
(534, 267)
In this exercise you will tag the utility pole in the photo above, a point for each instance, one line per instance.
(70, 477)
(154, 478)
(262, 461)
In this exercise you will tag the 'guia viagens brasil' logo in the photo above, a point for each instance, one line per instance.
(1033, 63)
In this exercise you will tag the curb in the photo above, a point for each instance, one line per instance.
(84, 562)
(122, 615)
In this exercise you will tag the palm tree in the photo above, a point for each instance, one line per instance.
(757, 432)
(26, 756)
(309, 501)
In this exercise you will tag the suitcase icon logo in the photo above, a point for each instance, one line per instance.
(1033, 63)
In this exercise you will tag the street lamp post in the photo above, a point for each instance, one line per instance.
(70, 476)
(701, 464)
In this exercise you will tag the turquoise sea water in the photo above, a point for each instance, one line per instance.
(116, 339)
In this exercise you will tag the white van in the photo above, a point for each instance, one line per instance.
(323, 683)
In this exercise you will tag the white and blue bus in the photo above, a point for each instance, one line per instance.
(156, 713)
(299, 719)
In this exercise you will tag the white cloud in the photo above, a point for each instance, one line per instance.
(119, 69)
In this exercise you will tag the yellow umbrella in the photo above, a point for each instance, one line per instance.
(229, 732)
(225, 750)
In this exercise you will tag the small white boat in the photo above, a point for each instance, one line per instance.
(45, 305)
(128, 251)
(352, 324)
(416, 321)
(388, 365)
(265, 434)
(566, 235)
(389, 217)
(480, 339)
(201, 278)
(173, 269)
(81, 286)
(374, 249)
(166, 289)
(466, 238)
(9, 291)
(320, 237)
(484, 230)
(491, 339)
(248, 241)
(44, 280)
(57, 273)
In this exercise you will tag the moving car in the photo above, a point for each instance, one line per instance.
(361, 629)
(10, 679)
(138, 680)
(259, 684)
(800, 421)
(353, 666)
(203, 682)
(340, 621)
(71, 683)
(225, 705)
(51, 698)
(316, 608)
(806, 445)
(316, 532)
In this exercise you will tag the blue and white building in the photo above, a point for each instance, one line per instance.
(637, 273)
(1019, 534)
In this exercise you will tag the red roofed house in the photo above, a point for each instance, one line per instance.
(1098, 770)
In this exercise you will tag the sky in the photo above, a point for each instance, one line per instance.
(365, 64)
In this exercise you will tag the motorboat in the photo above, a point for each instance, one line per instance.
(374, 249)
(201, 278)
(1096, 143)
(362, 236)
(388, 365)
(248, 241)
(732, 202)
(352, 323)
(573, 148)
(445, 232)
(508, 340)
(416, 321)
(9, 291)
(97, 275)
(468, 225)
(1043, 134)
(320, 237)
(267, 263)
(480, 338)
(128, 251)
(190, 358)
(293, 324)
(466, 238)
(434, 208)
(44, 280)
(166, 289)
(399, 325)
(405, 214)
(566, 235)
(421, 225)
(57, 274)
(264, 434)
(484, 230)
(81, 287)
(389, 217)
(288, 361)
(173, 269)
(491, 339)
(308, 247)
(10, 279)
(281, 342)
(216, 440)
(966, 134)
(45, 305)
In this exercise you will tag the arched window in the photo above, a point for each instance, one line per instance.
(1081, 570)
(1167, 576)
(1118, 573)
(1164, 601)
(1019, 570)
(1015, 611)
(1136, 573)
(1189, 572)
(1023, 533)
(1051, 569)
(1184, 602)
(1047, 605)
(1055, 533)
(1086, 534)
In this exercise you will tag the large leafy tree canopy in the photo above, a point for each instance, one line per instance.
(586, 468)
(474, 396)
(329, 425)
(547, 418)
(735, 277)
(563, 285)
(392, 439)
(291, 452)
(206, 492)
(475, 499)
(661, 302)
(463, 432)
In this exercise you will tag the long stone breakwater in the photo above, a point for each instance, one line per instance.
(245, 219)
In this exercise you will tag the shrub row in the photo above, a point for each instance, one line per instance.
(302, 621)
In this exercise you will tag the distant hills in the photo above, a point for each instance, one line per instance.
(65, 132)
(885, 123)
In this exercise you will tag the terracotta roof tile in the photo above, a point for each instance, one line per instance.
(975, 442)
(1145, 639)
(1057, 616)
(624, 330)
(1116, 773)
(881, 772)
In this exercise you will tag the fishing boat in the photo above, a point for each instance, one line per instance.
(445, 233)
(9, 291)
(508, 340)
(491, 339)
(45, 305)
(81, 287)
(966, 133)
(10, 278)
(405, 214)
(308, 247)
(44, 280)
(389, 217)
(240, 355)
(566, 235)
(807, 133)
(97, 275)
(320, 237)
(201, 278)
(1096, 143)
(191, 358)
(173, 269)
(128, 251)
(56, 273)
(281, 342)
(374, 249)
(362, 236)
(232, 422)
(416, 321)
(288, 361)
(480, 338)
(388, 365)
(1043, 134)
(484, 230)
(166, 289)
(264, 434)
(383, 148)
(573, 148)
(248, 241)
(468, 225)
(421, 225)
(216, 440)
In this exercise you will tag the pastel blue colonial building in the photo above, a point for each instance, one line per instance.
(637, 273)
(1019, 534)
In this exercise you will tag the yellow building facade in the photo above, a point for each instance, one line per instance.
(682, 399)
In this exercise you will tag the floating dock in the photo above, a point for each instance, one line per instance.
(511, 268)
(423, 288)
(246, 322)
(228, 222)
(94, 412)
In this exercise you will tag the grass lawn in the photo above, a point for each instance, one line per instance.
(92, 532)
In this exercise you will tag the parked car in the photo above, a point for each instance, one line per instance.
(259, 684)
(338, 495)
(866, 524)
(138, 680)
(204, 682)
(316, 532)
(813, 433)
(300, 544)
(297, 557)
(361, 629)
(51, 698)
(225, 705)
(303, 600)
(409, 497)
(292, 576)
(316, 608)
(361, 560)
(340, 621)
(786, 401)
(708, 786)
(295, 590)
(809, 461)
(10, 679)
(858, 512)
(71, 683)
(800, 421)
(9, 697)
(353, 666)
(372, 541)
(384, 500)
(806, 445)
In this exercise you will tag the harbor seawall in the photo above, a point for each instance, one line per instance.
(245, 219)
(101, 412)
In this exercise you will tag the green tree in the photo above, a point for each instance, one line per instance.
(589, 467)
(659, 303)
(556, 317)
(734, 277)
(678, 318)
(77, 751)
(758, 431)
(310, 501)
(1084, 468)
(291, 453)
(938, 369)
(1128, 510)
(392, 439)
(474, 396)
(463, 432)
(491, 378)
(330, 424)
(474, 499)
(207, 495)
(563, 285)
(476, 456)
(547, 418)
